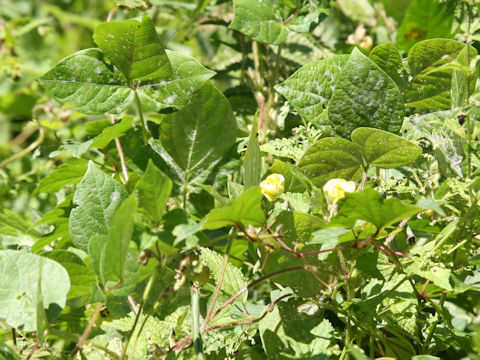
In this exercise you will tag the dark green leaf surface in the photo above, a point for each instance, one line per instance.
(388, 58)
(112, 132)
(253, 160)
(20, 274)
(133, 47)
(97, 197)
(310, 88)
(365, 96)
(383, 149)
(260, 20)
(201, 132)
(331, 158)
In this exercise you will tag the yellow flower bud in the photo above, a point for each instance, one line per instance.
(429, 212)
(273, 186)
(335, 189)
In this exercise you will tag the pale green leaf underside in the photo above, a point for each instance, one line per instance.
(310, 88)
(87, 83)
(364, 96)
(97, 197)
(260, 20)
(19, 276)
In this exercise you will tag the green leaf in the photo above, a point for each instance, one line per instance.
(19, 276)
(260, 20)
(84, 81)
(97, 197)
(114, 253)
(200, 133)
(112, 132)
(435, 272)
(331, 158)
(133, 47)
(253, 160)
(328, 235)
(424, 19)
(81, 277)
(365, 96)
(383, 149)
(388, 58)
(245, 210)
(429, 63)
(370, 206)
(153, 191)
(310, 88)
(233, 280)
(66, 174)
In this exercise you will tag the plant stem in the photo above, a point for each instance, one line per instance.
(132, 330)
(87, 331)
(142, 120)
(120, 153)
(469, 130)
(219, 282)
(25, 151)
(196, 336)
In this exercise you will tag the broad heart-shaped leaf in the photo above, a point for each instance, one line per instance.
(114, 253)
(260, 20)
(383, 149)
(310, 88)
(370, 206)
(87, 83)
(200, 133)
(432, 76)
(133, 47)
(245, 210)
(20, 274)
(424, 19)
(365, 96)
(153, 191)
(331, 158)
(233, 280)
(388, 58)
(97, 197)
(91, 86)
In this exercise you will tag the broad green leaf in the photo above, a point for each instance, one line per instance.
(233, 280)
(91, 86)
(396, 8)
(97, 197)
(429, 63)
(20, 276)
(424, 19)
(310, 88)
(133, 47)
(81, 277)
(15, 225)
(153, 191)
(286, 332)
(460, 90)
(114, 253)
(245, 210)
(112, 132)
(328, 235)
(200, 133)
(87, 83)
(370, 206)
(260, 20)
(66, 174)
(252, 163)
(435, 272)
(331, 158)
(365, 96)
(383, 149)
(388, 58)
(177, 91)
(295, 180)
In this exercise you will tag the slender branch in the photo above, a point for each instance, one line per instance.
(27, 150)
(219, 283)
(120, 153)
(87, 331)
(130, 334)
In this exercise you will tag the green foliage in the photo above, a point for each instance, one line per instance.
(134, 222)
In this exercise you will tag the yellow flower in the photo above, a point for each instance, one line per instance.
(273, 186)
(335, 189)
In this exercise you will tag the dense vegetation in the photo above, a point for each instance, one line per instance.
(246, 179)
